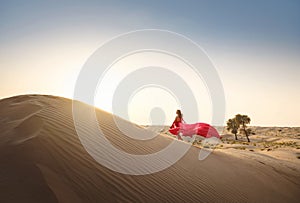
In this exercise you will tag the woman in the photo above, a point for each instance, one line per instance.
(177, 120)
(179, 128)
(175, 127)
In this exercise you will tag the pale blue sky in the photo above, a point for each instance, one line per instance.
(255, 46)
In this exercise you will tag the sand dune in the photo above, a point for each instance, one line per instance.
(43, 160)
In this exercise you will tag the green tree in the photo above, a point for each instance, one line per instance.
(233, 125)
(243, 120)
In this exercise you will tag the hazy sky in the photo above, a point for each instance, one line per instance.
(255, 46)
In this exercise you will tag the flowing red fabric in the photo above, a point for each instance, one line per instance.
(202, 129)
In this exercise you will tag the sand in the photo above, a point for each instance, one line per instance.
(43, 160)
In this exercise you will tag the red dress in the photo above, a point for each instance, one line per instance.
(176, 123)
(175, 127)
(202, 129)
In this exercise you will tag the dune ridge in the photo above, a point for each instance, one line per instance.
(43, 160)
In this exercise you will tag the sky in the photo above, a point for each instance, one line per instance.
(254, 46)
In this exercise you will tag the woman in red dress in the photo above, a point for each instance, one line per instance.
(179, 128)
(174, 129)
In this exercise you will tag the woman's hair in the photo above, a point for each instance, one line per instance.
(178, 112)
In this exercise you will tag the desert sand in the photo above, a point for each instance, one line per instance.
(43, 160)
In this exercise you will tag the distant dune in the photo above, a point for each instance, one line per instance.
(43, 160)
